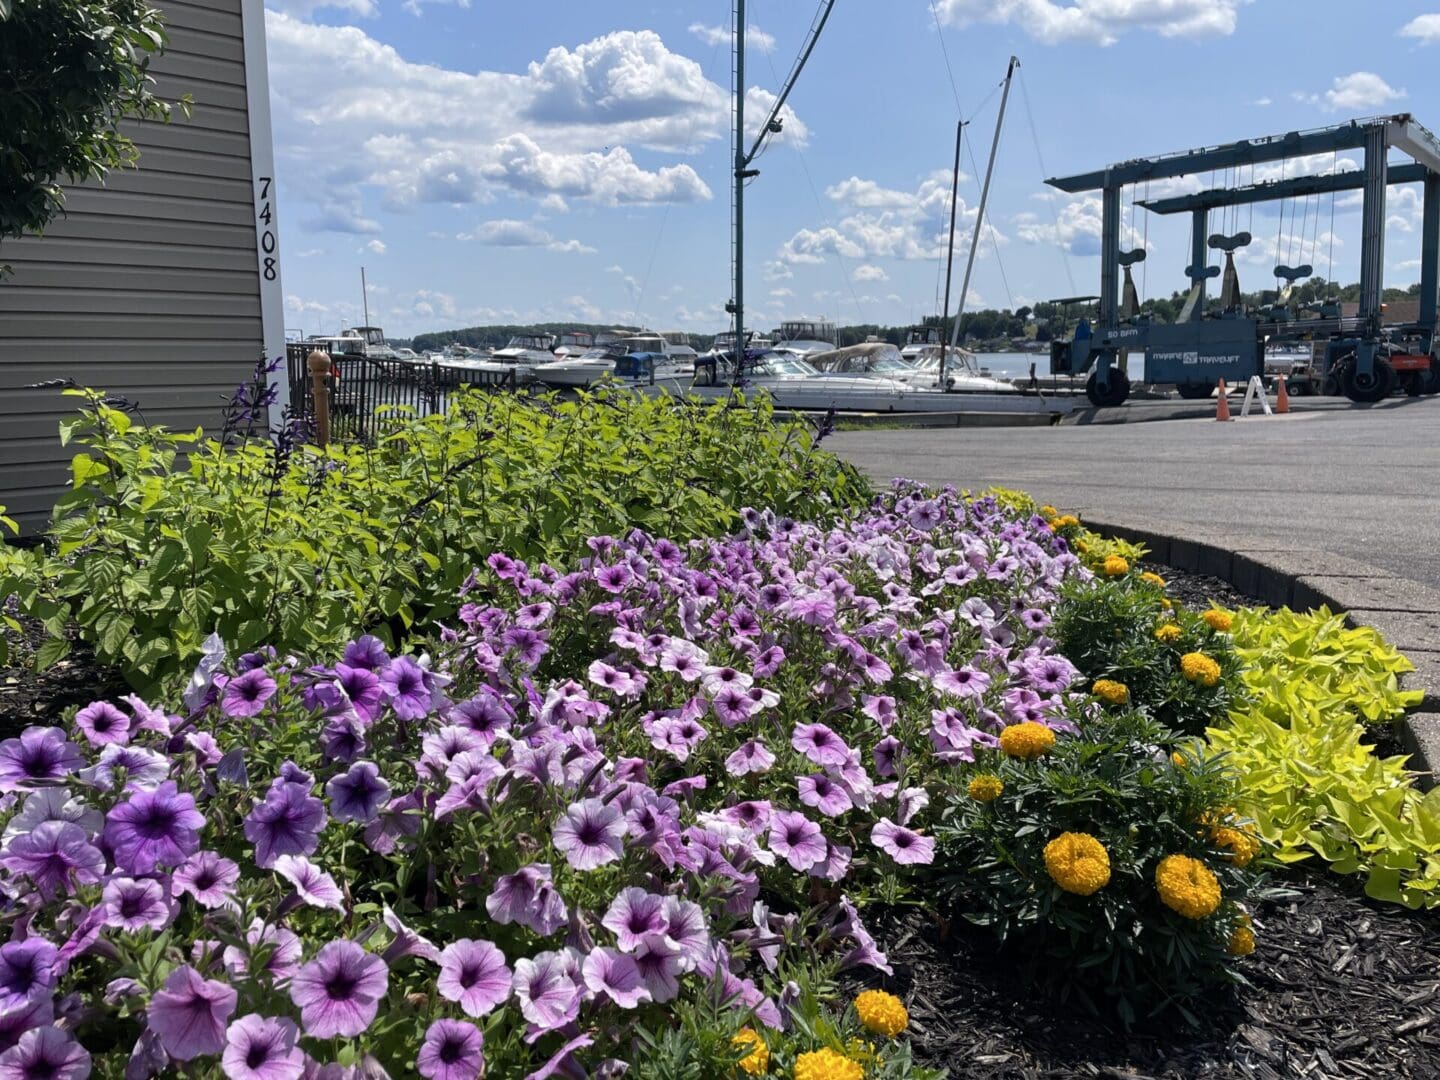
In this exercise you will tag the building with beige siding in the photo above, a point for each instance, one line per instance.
(163, 283)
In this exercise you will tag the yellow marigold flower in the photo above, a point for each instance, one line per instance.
(1027, 740)
(1199, 668)
(882, 1013)
(1166, 603)
(1179, 760)
(1049, 512)
(1111, 692)
(986, 788)
(1242, 942)
(1168, 633)
(758, 1059)
(1218, 620)
(1242, 845)
(1153, 579)
(827, 1064)
(1187, 886)
(1082, 547)
(1078, 863)
(1114, 566)
(1065, 521)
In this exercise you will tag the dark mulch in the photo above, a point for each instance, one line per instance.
(29, 697)
(1199, 591)
(1341, 987)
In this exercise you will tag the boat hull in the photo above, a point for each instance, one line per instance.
(802, 398)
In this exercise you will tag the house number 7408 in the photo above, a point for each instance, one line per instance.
(266, 216)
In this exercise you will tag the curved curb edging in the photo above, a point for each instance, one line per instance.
(1405, 612)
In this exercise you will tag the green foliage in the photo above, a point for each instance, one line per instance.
(1310, 779)
(165, 537)
(1108, 629)
(1121, 945)
(70, 71)
(1313, 657)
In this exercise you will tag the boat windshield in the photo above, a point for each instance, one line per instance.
(889, 362)
(779, 364)
(529, 341)
(644, 344)
(576, 338)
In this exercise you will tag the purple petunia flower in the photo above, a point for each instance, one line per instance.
(134, 904)
(452, 1050)
(546, 990)
(822, 793)
(362, 687)
(633, 915)
(283, 950)
(246, 695)
(27, 972)
(367, 652)
(1050, 674)
(590, 834)
(141, 768)
(614, 579)
(190, 1013)
(209, 877)
(45, 1052)
(155, 828)
(262, 1048)
(905, 846)
(40, 753)
(312, 885)
(474, 975)
(102, 723)
(685, 928)
(287, 822)
(528, 897)
(796, 839)
(37, 1012)
(53, 804)
(732, 705)
(880, 708)
(615, 975)
(661, 963)
(53, 855)
(889, 752)
(358, 794)
(821, 745)
(749, 757)
(403, 681)
(964, 682)
(339, 992)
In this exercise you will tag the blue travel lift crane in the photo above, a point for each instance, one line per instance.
(1365, 359)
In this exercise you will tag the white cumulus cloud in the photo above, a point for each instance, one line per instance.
(755, 38)
(508, 232)
(1359, 91)
(1099, 22)
(866, 272)
(1423, 28)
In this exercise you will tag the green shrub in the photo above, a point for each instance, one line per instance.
(1119, 943)
(166, 537)
(1112, 628)
(1309, 776)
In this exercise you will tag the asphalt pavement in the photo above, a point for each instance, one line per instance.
(1352, 480)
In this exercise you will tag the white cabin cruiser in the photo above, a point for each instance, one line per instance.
(599, 363)
(804, 338)
(523, 354)
(573, 343)
(961, 373)
(917, 340)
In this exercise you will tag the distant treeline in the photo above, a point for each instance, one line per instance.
(1040, 322)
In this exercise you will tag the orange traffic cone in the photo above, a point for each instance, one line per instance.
(1222, 404)
(1282, 399)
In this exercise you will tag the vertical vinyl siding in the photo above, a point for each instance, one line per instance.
(147, 287)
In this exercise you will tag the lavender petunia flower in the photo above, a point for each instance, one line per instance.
(633, 915)
(685, 927)
(796, 839)
(45, 1053)
(141, 768)
(102, 723)
(405, 942)
(403, 681)
(135, 904)
(246, 695)
(155, 828)
(615, 975)
(53, 804)
(732, 706)
(362, 688)
(282, 948)
(54, 855)
(358, 794)
(27, 972)
(34, 1013)
(367, 652)
(964, 682)
(474, 974)
(749, 757)
(262, 1048)
(889, 752)
(287, 822)
(547, 993)
(312, 885)
(660, 964)
(40, 753)
(819, 791)
(190, 1014)
(452, 1050)
(339, 992)
(209, 877)
(202, 680)
(590, 834)
(820, 744)
(905, 846)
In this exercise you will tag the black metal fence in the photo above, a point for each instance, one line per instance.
(359, 385)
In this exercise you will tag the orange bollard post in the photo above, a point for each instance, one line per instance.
(1282, 397)
(319, 365)
(1222, 404)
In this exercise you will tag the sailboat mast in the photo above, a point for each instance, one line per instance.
(737, 254)
(984, 198)
(950, 248)
(364, 297)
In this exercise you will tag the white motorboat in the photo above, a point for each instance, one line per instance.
(522, 354)
(356, 341)
(573, 343)
(917, 340)
(792, 383)
(961, 373)
(678, 347)
(806, 337)
(600, 362)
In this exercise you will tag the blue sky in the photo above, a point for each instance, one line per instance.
(547, 160)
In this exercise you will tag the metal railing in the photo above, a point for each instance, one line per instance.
(359, 385)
